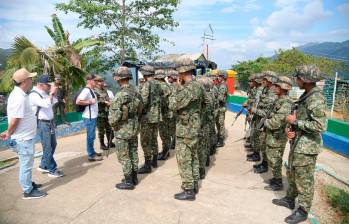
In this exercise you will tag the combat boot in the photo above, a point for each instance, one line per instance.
(275, 185)
(103, 146)
(188, 195)
(202, 173)
(173, 143)
(220, 143)
(213, 150)
(255, 157)
(154, 162)
(134, 178)
(270, 181)
(208, 161)
(256, 166)
(146, 168)
(164, 154)
(247, 144)
(263, 168)
(196, 187)
(297, 216)
(285, 201)
(111, 145)
(126, 184)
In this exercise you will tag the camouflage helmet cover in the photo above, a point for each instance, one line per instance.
(252, 78)
(147, 70)
(270, 76)
(98, 78)
(185, 65)
(284, 82)
(308, 73)
(258, 78)
(123, 72)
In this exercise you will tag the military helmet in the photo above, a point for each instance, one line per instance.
(270, 76)
(284, 82)
(258, 78)
(252, 78)
(308, 73)
(222, 73)
(123, 72)
(147, 70)
(185, 65)
(98, 78)
(160, 74)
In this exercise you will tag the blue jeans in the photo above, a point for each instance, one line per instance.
(91, 135)
(26, 151)
(47, 134)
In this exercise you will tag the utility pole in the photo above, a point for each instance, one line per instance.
(208, 35)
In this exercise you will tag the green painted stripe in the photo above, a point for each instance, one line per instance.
(338, 127)
(236, 99)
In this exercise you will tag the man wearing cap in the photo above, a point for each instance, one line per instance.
(222, 98)
(103, 125)
(42, 98)
(22, 131)
(124, 114)
(151, 94)
(307, 124)
(88, 98)
(267, 101)
(187, 101)
(274, 125)
(60, 104)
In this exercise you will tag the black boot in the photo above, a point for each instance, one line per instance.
(208, 161)
(164, 154)
(285, 201)
(146, 168)
(173, 143)
(220, 143)
(297, 216)
(275, 185)
(257, 166)
(248, 149)
(202, 173)
(134, 178)
(103, 146)
(126, 184)
(270, 181)
(188, 195)
(213, 150)
(111, 145)
(154, 162)
(196, 187)
(254, 158)
(263, 168)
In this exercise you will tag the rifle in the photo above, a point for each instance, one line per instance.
(109, 141)
(238, 115)
(260, 125)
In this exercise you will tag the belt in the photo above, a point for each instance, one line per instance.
(46, 121)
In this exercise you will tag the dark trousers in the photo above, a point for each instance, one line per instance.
(59, 106)
(47, 134)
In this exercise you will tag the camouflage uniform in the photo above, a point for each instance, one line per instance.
(173, 119)
(124, 115)
(311, 122)
(186, 101)
(103, 125)
(222, 98)
(151, 93)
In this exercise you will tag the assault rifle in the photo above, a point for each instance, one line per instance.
(238, 115)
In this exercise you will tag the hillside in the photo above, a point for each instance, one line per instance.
(3, 55)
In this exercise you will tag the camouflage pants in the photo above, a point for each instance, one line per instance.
(213, 134)
(204, 145)
(300, 176)
(188, 161)
(103, 127)
(220, 124)
(126, 150)
(172, 127)
(262, 146)
(149, 140)
(255, 135)
(274, 155)
(165, 133)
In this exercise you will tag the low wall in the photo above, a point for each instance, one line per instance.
(335, 138)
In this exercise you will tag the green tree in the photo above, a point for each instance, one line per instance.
(129, 26)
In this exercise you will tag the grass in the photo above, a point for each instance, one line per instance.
(3, 164)
(339, 199)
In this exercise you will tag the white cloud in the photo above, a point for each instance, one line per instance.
(343, 8)
(242, 6)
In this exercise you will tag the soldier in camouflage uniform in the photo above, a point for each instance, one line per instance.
(308, 122)
(274, 125)
(222, 98)
(164, 126)
(172, 80)
(151, 94)
(124, 115)
(215, 92)
(187, 100)
(104, 102)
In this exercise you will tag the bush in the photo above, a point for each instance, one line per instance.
(339, 198)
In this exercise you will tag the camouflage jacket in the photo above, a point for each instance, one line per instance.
(223, 94)
(251, 93)
(102, 96)
(267, 99)
(166, 91)
(257, 97)
(151, 93)
(187, 101)
(124, 112)
(311, 122)
(275, 123)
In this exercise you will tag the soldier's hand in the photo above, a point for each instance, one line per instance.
(245, 105)
(290, 134)
(291, 118)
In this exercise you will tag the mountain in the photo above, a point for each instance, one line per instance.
(4, 53)
(333, 50)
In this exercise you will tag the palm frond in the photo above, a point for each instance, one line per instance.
(58, 29)
(86, 43)
(52, 35)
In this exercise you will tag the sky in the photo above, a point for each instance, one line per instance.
(243, 30)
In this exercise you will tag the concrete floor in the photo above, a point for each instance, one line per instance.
(231, 192)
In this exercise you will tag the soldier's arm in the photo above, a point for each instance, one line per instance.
(265, 105)
(318, 120)
(115, 111)
(279, 117)
(144, 91)
(180, 98)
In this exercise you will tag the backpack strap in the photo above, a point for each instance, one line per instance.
(38, 108)
(93, 96)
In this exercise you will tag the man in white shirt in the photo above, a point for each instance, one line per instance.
(42, 98)
(88, 98)
(22, 131)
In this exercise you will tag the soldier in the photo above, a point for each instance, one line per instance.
(164, 128)
(172, 80)
(187, 100)
(308, 122)
(60, 105)
(274, 125)
(151, 94)
(215, 92)
(124, 115)
(104, 102)
(222, 98)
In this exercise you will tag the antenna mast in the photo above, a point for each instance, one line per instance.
(208, 35)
